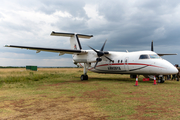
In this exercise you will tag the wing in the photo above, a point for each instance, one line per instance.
(165, 54)
(39, 49)
(152, 49)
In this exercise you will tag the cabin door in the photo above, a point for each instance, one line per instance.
(126, 66)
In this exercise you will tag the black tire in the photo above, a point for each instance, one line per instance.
(84, 77)
(133, 76)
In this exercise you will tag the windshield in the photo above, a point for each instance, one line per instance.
(149, 56)
(144, 57)
(154, 56)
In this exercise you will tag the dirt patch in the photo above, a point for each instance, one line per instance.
(151, 110)
(57, 108)
(141, 99)
(63, 83)
(146, 113)
(134, 93)
(98, 94)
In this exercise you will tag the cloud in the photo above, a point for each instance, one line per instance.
(74, 7)
(130, 25)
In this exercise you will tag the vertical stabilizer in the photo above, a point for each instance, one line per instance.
(75, 43)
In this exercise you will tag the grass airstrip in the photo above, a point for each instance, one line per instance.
(58, 93)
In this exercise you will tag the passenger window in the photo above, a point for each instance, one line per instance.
(144, 57)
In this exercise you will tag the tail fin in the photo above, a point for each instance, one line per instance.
(74, 38)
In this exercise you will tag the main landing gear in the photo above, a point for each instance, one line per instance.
(160, 79)
(85, 76)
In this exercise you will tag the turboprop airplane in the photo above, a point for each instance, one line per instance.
(99, 61)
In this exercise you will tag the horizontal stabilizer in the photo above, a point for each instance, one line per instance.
(62, 34)
(84, 36)
(71, 35)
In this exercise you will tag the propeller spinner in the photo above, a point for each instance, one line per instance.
(100, 54)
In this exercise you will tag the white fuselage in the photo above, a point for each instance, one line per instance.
(127, 63)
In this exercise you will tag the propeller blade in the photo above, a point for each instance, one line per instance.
(96, 64)
(108, 58)
(94, 49)
(97, 60)
(152, 47)
(99, 53)
(103, 46)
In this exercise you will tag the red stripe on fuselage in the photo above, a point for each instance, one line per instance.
(127, 64)
(81, 65)
(143, 64)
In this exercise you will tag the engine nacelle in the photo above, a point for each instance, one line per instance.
(90, 57)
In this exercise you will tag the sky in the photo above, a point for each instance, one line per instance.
(126, 24)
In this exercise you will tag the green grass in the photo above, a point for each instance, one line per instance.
(59, 94)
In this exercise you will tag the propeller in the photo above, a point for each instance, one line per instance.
(100, 54)
(152, 47)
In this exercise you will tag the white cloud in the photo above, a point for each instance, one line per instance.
(159, 33)
(95, 20)
(124, 23)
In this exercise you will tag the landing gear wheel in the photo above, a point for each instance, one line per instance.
(84, 77)
(162, 81)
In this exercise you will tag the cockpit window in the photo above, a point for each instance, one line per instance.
(144, 57)
(154, 56)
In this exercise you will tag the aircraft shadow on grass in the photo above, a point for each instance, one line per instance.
(126, 80)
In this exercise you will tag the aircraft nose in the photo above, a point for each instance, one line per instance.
(173, 70)
(170, 68)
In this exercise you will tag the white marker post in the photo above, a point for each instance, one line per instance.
(136, 84)
(155, 81)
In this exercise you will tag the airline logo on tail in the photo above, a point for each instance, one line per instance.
(75, 47)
